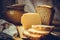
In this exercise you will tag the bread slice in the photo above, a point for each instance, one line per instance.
(30, 35)
(36, 32)
(42, 27)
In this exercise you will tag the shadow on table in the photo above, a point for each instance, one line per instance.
(50, 37)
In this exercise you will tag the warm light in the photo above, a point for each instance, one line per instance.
(11, 12)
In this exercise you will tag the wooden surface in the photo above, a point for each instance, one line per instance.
(17, 38)
(19, 32)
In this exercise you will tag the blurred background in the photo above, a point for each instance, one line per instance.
(30, 4)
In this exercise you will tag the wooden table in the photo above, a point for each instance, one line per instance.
(20, 30)
(17, 38)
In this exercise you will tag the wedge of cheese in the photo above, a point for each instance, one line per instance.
(29, 19)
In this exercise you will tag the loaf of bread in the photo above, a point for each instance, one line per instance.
(29, 19)
(45, 13)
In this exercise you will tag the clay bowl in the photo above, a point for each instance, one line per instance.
(14, 13)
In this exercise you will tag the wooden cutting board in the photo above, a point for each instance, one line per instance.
(20, 30)
(17, 38)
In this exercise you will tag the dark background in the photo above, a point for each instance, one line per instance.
(3, 4)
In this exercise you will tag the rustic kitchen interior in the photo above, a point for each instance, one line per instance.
(29, 19)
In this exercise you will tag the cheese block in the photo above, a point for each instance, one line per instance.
(45, 12)
(29, 19)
